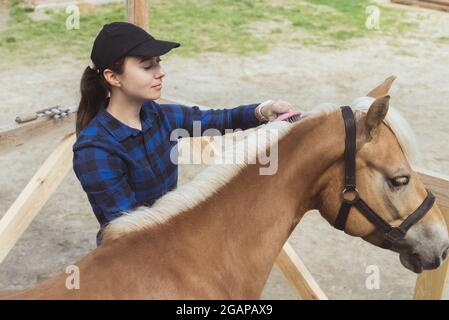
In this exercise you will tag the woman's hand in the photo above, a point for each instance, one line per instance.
(269, 110)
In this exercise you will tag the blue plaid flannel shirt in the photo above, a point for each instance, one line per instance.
(120, 167)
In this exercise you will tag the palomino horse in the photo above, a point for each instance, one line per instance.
(219, 235)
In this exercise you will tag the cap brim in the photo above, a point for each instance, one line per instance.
(153, 48)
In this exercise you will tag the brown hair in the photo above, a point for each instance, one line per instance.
(94, 91)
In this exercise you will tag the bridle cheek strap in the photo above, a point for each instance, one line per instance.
(391, 234)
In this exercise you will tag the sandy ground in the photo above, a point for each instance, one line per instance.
(65, 228)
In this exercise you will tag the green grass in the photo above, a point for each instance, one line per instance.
(443, 39)
(30, 39)
(200, 26)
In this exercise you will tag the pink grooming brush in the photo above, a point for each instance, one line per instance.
(292, 116)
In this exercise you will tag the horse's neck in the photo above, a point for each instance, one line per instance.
(238, 232)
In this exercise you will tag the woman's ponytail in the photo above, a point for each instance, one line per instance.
(93, 93)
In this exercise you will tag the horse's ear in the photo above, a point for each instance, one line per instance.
(383, 88)
(376, 114)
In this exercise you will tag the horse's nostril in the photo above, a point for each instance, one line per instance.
(444, 255)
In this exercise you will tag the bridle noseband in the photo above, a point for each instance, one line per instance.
(391, 234)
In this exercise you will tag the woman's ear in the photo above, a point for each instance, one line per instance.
(111, 78)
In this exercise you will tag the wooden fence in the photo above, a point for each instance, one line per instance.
(442, 5)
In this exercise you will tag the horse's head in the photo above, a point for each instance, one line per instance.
(386, 183)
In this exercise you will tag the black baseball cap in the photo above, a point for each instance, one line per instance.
(119, 39)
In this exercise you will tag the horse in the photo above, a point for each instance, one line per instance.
(218, 236)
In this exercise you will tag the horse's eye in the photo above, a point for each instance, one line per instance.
(400, 181)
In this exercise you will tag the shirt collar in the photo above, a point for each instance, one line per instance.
(119, 129)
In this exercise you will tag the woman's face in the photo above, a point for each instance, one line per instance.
(142, 78)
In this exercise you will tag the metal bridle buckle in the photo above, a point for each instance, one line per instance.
(352, 190)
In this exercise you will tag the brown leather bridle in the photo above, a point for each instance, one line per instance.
(391, 234)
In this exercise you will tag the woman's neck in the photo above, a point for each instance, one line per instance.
(126, 110)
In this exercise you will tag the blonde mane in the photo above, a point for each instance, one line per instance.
(213, 177)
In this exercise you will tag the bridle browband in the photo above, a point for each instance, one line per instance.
(391, 234)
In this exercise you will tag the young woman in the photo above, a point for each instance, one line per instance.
(122, 152)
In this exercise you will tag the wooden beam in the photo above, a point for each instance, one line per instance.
(438, 183)
(13, 136)
(438, 5)
(36, 193)
(297, 275)
(137, 13)
(430, 284)
(443, 2)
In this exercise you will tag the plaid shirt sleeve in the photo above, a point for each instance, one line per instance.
(102, 176)
(241, 117)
